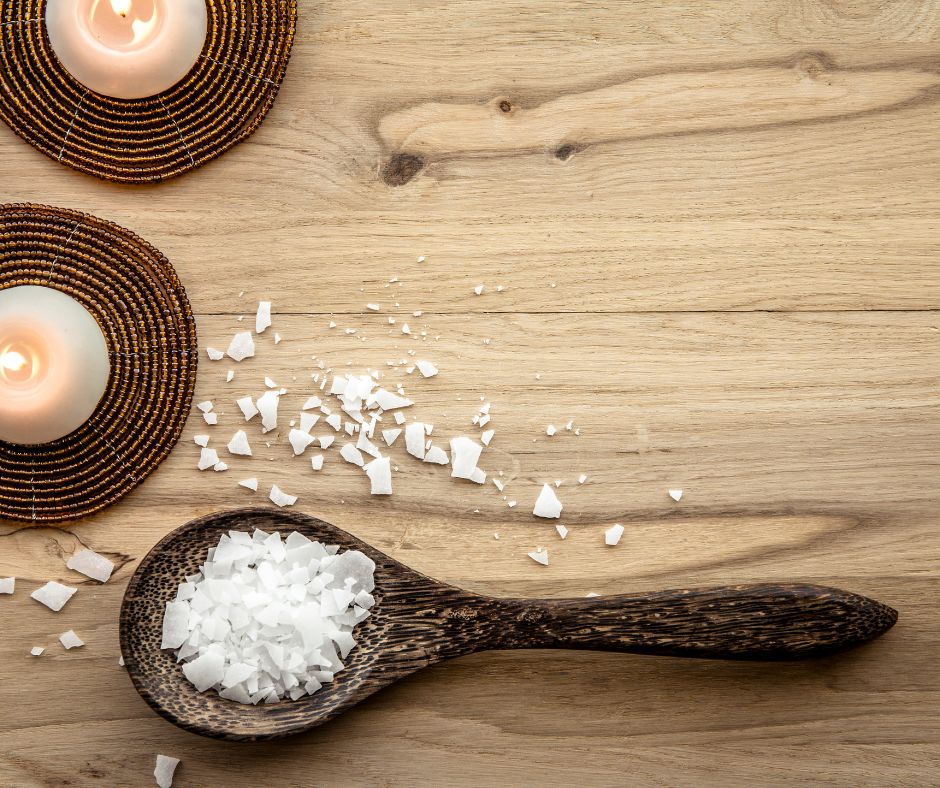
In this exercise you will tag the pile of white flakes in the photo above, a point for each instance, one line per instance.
(267, 618)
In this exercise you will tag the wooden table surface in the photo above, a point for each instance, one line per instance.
(716, 224)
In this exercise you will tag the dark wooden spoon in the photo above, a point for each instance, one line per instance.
(418, 621)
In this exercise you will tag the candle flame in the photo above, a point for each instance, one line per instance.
(121, 7)
(13, 361)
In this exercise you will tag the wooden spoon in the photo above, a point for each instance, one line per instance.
(417, 621)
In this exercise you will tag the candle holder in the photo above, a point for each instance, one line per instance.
(136, 297)
(221, 102)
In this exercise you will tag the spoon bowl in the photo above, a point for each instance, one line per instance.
(417, 622)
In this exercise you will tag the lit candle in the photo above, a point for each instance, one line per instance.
(54, 364)
(127, 49)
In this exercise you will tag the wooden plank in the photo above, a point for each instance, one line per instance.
(743, 309)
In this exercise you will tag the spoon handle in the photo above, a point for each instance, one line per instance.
(757, 622)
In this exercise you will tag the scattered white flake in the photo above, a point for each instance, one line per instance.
(207, 459)
(267, 406)
(422, 258)
(590, 594)
(511, 504)
(205, 406)
(379, 472)
(280, 498)
(562, 531)
(70, 640)
(92, 565)
(163, 772)
(326, 441)
(426, 368)
(478, 476)
(373, 307)
(547, 505)
(498, 484)
(405, 329)
(220, 466)
(7, 584)
(351, 454)
(550, 430)
(316, 462)
(201, 440)
(414, 439)
(239, 444)
(464, 453)
(368, 447)
(417, 313)
(569, 425)
(540, 557)
(496, 535)
(390, 436)
(270, 383)
(247, 406)
(230, 376)
(308, 421)
(478, 289)
(436, 455)
(250, 483)
(612, 535)
(582, 478)
(214, 355)
(313, 402)
(487, 436)
(263, 317)
(558, 482)
(36, 650)
(211, 418)
(241, 347)
(335, 421)
(121, 661)
(676, 495)
(399, 418)
(386, 400)
(277, 339)
(299, 441)
(332, 324)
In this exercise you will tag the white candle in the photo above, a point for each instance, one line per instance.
(54, 364)
(127, 49)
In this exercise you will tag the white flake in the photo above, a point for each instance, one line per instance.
(436, 455)
(390, 436)
(211, 418)
(281, 498)
(241, 347)
(36, 650)
(207, 459)
(379, 472)
(299, 441)
(316, 462)
(214, 355)
(263, 317)
(582, 478)
(550, 430)
(487, 436)
(547, 505)
(478, 289)
(250, 483)
(91, 564)
(163, 772)
(465, 453)
(562, 531)
(351, 454)
(201, 440)
(426, 368)
(676, 495)
(70, 640)
(414, 439)
(267, 406)
(540, 557)
(247, 406)
(612, 535)
(239, 444)
(205, 406)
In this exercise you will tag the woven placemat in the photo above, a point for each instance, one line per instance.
(218, 104)
(137, 299)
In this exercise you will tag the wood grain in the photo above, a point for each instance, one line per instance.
(746, 311)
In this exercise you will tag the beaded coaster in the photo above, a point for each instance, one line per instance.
(221, 102)
(140, 305)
